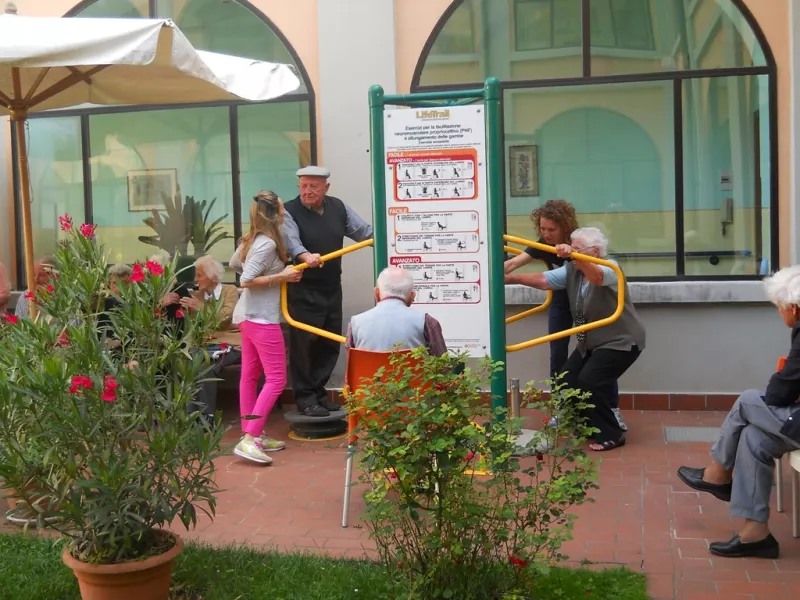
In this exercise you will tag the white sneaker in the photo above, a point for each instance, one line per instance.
(251, 451)
(267, 444)
(618, 413)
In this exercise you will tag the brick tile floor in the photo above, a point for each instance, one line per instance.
(643, 517)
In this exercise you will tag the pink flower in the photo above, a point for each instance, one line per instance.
(154, 268)
(137, 274)
(63, 340)
(470, 455)
(78, 382)
(223, 346)
(87, 230)
(29, 295)
(12, 319)
(110, 386)
(179, 314)
(50, 289)
(65, 222)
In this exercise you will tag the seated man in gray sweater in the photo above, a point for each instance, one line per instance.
(392, 322)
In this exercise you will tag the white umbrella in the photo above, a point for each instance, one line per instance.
(48, 63)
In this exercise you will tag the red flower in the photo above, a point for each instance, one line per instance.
(517, 562)
(50, 289)
(65, 222)
(137, 274)
(154, 268)
(179, 314)
(470, 455)
(109, 388)
(392, 475)
(546, 421)
(29, 295)
(223, 346)
(157, 312)
(78, 382)
(63, 340)
(87, 230)
(12, 319)
(439, 387)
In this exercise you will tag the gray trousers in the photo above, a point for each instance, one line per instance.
(748, 444)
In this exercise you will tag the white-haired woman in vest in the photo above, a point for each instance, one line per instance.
(602, 354)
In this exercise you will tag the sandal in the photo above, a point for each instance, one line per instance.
(608, 445)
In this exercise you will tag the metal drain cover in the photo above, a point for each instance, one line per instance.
(691, 434)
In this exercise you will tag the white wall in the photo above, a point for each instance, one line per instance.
(356, 51)
(691, 348)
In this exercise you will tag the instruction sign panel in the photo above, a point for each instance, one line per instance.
(436, 200)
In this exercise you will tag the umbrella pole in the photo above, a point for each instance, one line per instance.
(19, 117)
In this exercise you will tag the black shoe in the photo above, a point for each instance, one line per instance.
(694, 479)
(736, 548)
(315, 410)
(330, 406)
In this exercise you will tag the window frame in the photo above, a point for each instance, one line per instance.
(308, 96)
(677, 78)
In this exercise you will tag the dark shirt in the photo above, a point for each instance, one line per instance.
(784, 387)
(553, 262)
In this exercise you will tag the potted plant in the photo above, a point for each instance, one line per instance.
(185, 222)
(123, 455)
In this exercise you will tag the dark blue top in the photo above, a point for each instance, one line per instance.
(553, 262)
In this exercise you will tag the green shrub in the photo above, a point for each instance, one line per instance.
(452, 533)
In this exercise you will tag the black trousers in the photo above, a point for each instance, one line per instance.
(206, 399)
(597, 373)
(312, 358)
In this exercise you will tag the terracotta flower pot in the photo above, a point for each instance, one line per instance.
(147, 579)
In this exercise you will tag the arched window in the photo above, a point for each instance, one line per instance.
(112, 165)
(656, 118)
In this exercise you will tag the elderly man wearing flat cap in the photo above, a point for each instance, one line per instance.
(316, 224)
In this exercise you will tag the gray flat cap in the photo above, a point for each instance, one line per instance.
(314, 171)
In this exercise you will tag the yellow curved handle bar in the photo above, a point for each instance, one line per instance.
(588, 326)
(531, 311)
(285, 294)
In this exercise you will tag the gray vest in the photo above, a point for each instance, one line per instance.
(391, 322)
(601, 302)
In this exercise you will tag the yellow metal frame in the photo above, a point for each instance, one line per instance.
(588, 326)
(531, 311)
(301, 267)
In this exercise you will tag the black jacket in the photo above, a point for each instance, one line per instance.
(784, 387)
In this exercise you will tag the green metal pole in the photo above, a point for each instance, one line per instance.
(497, 289)
(377, 153)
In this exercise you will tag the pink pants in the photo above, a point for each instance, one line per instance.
(263, 351)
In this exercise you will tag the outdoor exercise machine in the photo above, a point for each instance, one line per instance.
(438, 210)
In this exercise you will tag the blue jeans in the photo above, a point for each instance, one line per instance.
(559, 318)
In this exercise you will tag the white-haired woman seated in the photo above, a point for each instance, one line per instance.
(208, 274)
(602, 354)
(759, 428)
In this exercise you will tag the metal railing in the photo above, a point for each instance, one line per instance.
(531, 311)
(588, 326)
(301, 267)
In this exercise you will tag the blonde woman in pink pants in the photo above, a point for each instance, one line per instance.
(261, 261)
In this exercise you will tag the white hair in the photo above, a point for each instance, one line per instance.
(395, 282)
(211, 267)
(783, 288)
(592, 237)
(120, 270)
(162, 258)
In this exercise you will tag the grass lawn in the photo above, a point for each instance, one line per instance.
(31, 569)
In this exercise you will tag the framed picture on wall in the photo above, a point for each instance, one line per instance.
(523, 164)
(146, 188)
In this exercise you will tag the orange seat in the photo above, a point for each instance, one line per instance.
(781, 362)
(362, 366)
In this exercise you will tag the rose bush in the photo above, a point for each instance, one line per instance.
(98, 439)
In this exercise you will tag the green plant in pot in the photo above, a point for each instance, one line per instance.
(185, 222)
(124, 457)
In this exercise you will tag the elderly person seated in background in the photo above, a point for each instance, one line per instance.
(42, 275)
(392, 322)
(759, 428)
(119, 273)
(602, 354)
(208, 274)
